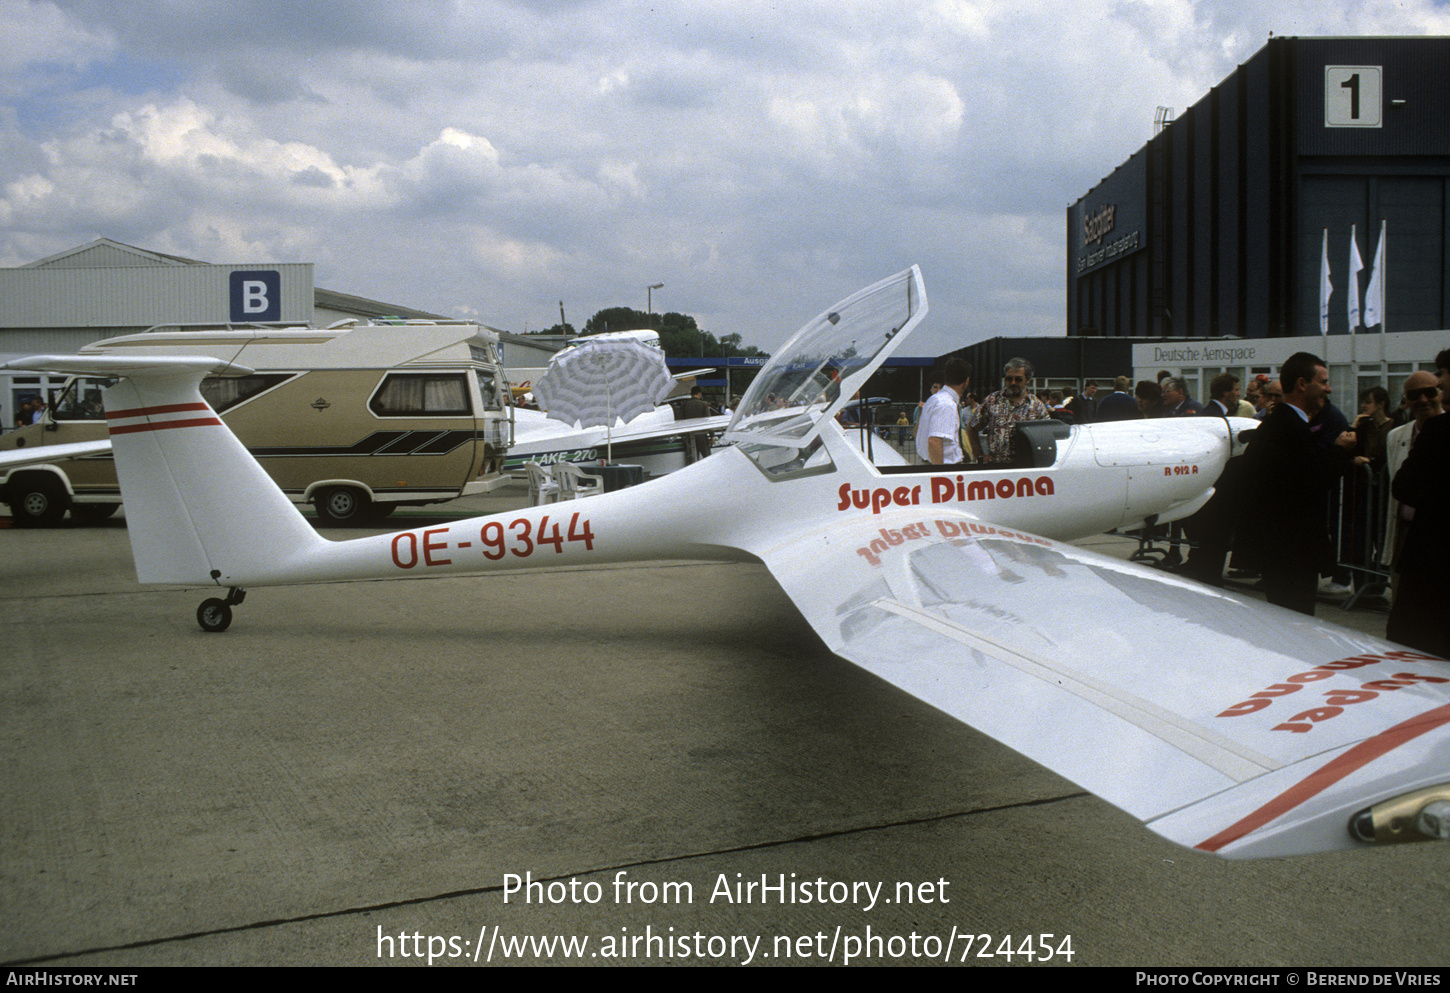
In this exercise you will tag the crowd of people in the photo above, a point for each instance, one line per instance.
(1275, 508)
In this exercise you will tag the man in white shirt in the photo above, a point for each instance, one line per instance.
(939, 430)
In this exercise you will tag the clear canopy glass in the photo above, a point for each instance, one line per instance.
(818, 370)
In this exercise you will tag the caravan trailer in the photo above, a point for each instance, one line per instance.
(355, 420)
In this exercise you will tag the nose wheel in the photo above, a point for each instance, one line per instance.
(215, 614)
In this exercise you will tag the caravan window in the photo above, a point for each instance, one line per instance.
(488, 389)
(422, 395)
(223, 393)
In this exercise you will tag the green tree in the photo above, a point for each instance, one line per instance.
(619, 319)
(680, 335)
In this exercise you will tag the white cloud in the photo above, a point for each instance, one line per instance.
(759, 159)
(39, 35)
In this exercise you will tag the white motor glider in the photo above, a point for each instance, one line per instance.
(1225, 724)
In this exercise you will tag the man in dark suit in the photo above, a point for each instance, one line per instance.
(1211, 529)
(1176, 400)
(1223, 392)
(1419, 618)
(1287, 532)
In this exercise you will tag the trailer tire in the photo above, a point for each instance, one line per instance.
(343, 506)
(37, 500)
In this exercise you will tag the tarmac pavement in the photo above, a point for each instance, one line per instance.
(355, 774)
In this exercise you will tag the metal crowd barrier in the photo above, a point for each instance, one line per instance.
(1361, 507)
(1358, 510)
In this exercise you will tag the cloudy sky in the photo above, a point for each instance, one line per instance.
(488, 158)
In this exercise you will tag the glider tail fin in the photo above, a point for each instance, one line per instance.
(199, 509)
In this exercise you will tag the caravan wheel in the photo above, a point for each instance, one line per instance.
(343, 506)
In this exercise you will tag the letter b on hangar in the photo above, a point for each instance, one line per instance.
(256, 295)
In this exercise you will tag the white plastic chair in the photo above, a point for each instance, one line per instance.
(575, 482)
(542, 487)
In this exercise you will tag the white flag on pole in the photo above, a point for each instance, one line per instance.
(1326, 288)
(1355, 265)
(1374, 297)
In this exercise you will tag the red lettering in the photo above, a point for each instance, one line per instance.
(948, 529)
(1247, 707)
(491, 534)
(844, 493)
(585, 534)
(1317, 714)
(523, 536)
(551, 537)
(1352, 663)
(412, 550)
(429, 547)
(1279, 689)
(1342, 698)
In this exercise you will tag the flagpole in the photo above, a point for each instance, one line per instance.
(1374, 296)
(1382, 274)
(1355, 265)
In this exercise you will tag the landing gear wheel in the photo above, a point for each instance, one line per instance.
(343, 506)
(214, 615)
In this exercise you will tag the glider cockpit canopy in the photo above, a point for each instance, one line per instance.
(817, 372)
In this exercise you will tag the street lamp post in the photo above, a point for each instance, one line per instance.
(649, 301)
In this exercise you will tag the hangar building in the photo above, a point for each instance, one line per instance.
(1223, 224)
(103, 289)
(1216, 226)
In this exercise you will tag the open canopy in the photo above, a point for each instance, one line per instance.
(818, 370)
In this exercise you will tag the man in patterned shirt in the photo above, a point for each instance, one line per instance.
(990, 430)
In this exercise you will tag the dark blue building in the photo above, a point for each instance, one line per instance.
(1217, 226)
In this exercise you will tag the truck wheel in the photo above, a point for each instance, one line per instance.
(38, 501)
(342, 506)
